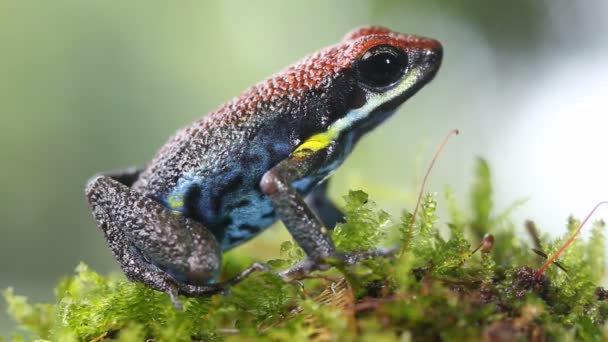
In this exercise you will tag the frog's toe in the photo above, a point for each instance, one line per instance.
(306, 266)
(351, 258)
(172, 291)
(222, 287)
(303, 269)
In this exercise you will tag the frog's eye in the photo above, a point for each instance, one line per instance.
(381, 66)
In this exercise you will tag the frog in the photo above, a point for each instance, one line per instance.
(264, 156)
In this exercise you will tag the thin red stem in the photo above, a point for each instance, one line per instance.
(555, 255)
(421, 192)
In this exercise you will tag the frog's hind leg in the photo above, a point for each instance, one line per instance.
(152, 244)
(222, 287)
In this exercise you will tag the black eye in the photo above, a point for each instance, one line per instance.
(381, 66)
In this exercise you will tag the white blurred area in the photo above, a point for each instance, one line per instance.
(555, 146)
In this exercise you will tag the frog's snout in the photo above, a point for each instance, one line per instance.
(434, 55)
(431, 57)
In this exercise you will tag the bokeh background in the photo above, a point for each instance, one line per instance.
(87, 86)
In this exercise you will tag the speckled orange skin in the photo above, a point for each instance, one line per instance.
(168, 222)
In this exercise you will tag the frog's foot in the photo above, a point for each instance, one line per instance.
(173, 288)
(303, 268)
(222, 287)
(351, 258)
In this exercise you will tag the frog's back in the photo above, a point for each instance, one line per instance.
(284, 109)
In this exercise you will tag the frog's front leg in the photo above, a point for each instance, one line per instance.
(305, 227)
(162, 249)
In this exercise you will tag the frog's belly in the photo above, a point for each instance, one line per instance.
(244, 215)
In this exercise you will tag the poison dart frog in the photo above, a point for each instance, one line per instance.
(264, 156)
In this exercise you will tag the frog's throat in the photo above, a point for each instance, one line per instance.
(321, 140)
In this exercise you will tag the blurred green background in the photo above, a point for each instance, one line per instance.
(87, 86)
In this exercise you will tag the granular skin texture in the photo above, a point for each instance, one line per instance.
(282, 94)
(169, 222)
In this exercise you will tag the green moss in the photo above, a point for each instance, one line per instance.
(438, 289)
(365, 225)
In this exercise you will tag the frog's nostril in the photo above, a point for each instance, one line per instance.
(438, 51)
(434, 55)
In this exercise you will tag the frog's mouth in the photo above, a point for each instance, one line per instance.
(380, 106)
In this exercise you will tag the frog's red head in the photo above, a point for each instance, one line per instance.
(355, 83)
(376, 56)
(372, 70)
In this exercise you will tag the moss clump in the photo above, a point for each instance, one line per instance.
(438, 290)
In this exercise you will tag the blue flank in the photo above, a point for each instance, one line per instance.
(235, 213)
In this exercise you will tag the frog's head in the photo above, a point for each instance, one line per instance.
(354, 84)
(360, 81)
(380, 69)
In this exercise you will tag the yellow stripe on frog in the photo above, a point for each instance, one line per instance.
(321, 140)
(316, 142)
